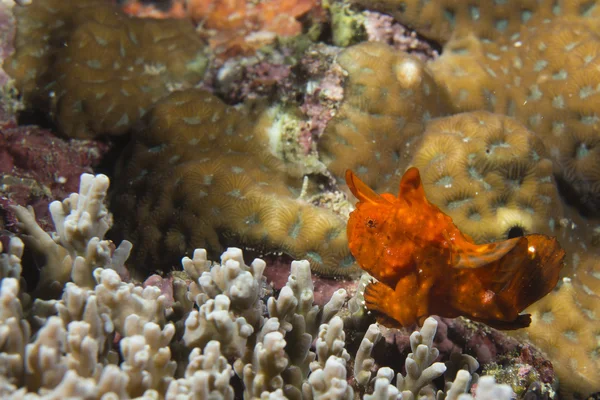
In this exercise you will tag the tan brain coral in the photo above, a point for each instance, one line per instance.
(566, 325)
(443, 20)
(97, 70)
(490, 174)
(546, 77)
(388, 98)
(199, 174)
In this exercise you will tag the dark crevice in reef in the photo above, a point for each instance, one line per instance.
(587, 205)
(118, 146)
(34, 116)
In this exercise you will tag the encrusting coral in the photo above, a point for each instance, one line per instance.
(534, 61)
(388, 98)
(199, 174)
(88, 346)
(444, 20)
(490, 174)
(96, 70)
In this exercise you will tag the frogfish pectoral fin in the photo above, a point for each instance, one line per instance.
(381, 300)
(504, 287)
(475, 256)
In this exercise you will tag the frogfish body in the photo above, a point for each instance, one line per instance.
(424, 265)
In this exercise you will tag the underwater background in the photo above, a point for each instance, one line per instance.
(228, 125)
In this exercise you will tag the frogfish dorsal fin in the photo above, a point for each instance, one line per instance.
(361, 191)
(411, 188)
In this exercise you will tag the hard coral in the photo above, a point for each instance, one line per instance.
(490, 174)
(443, 20)
(199, 173)
(534, 61)
(545, 77)
(565, 326)
(96, 70)
(388, 98)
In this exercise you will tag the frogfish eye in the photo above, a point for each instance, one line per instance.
(371, 223)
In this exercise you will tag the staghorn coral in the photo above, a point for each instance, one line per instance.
(206, 376)
(388, 97)
(78, 245)
(202, 175)
(490, 174)
(96, 70)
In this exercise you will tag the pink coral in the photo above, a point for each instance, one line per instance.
(383, 28)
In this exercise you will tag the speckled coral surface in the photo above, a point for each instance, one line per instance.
(388, 98)
(199, 174)
(490, 174)
(97, 70)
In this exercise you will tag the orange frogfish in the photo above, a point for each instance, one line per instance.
(424, 265)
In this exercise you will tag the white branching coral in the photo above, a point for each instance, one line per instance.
(124, 299)
(329, 382)
(78, 246)
(363, 362)
(207, 376)
(14, 332)
(420, 366)
(10, 262)
(263, 375)
(215, 321)
(297, 297)
(241, 283)
(331, 341)
(147, 356)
